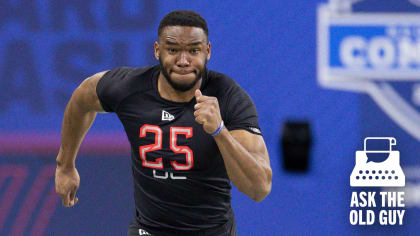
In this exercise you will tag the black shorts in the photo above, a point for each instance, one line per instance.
(227, 229)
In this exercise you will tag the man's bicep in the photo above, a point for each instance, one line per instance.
(253, 143)
(87, 95)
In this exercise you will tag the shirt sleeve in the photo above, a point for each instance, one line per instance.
(241, 112)
(109, 89)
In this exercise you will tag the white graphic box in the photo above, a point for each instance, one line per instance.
(370, 173)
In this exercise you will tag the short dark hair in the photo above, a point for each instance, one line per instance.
(183, 18)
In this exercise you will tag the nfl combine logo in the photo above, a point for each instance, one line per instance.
(373, 53)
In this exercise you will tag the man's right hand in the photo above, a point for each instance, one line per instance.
(67, 182)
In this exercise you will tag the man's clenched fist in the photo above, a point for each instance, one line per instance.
(207, 112)
(66, 184)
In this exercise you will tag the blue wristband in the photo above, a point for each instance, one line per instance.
(218, 129)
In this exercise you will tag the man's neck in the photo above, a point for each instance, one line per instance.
(167, 92)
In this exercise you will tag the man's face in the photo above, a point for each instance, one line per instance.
(182, 53)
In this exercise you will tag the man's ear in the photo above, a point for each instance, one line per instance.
(156, 49)
(208, 51)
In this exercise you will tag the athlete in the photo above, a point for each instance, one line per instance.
(191, 131)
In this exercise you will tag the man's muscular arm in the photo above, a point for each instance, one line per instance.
(244, 154)
(247, 163)
(78, 117)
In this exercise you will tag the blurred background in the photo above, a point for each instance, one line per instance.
(312, 129)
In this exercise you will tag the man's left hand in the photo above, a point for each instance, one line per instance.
(207, 112)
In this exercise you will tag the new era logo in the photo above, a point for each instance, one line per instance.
(167, 116)
(143, 232)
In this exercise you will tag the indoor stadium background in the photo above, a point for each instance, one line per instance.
(47, 47)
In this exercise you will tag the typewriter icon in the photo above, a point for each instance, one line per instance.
(373, 173)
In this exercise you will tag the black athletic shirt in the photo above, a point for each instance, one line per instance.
(180, 180)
